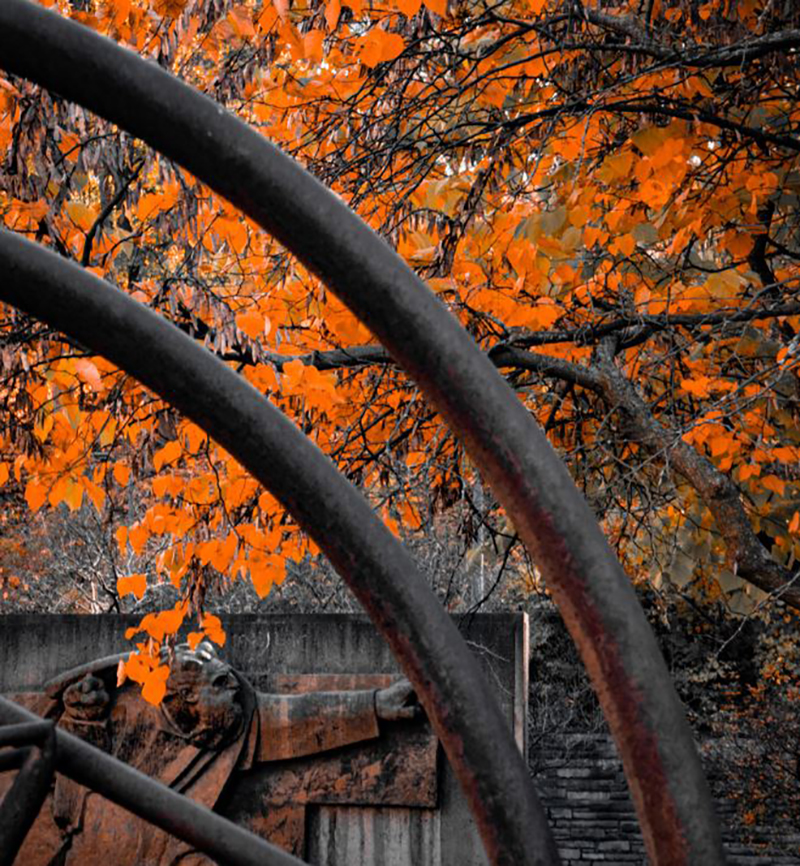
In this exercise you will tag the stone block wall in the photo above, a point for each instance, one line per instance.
(581, 782)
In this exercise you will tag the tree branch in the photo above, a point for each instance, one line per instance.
(696, 56)
(589, 334)
(508, 356)
(106, 211)
(747, 556)
(631, 106)
(508, 353)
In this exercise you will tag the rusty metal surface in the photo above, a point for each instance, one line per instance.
(394, 837)
(593, 593)
(399, 769)
(299, 684)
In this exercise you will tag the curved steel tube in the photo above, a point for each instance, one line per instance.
(376, 566)
(593, 593)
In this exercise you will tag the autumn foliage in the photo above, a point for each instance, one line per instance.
(605, 194)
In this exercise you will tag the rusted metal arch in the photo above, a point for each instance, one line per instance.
(149, 799)
(591, 590)
(453, 690)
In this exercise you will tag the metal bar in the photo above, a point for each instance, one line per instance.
(205, 830)
(593, 593)
(22, 802)
(25, 733)
(13, 759)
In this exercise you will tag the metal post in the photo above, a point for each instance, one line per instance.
(22, 802)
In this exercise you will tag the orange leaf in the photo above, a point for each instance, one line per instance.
(212, 626)
(579, 216)
(626, 244)
(265, 569)
(239, 19)
(122, 474)
(267, 18)
(80, 214)
(35, 494)
(253, 323)
(87, 371)
(332, 11)
(312, 45)
(140, 664)
(223, 553)
(773, 483)
(749, 470)
(170, 8)
(69, 491)
(69, 142)
(155, 685)
(739, 245)
(719, 445)
(94, 492)
(137, 536)
(194, 638)
(438, 7)
(409, 8)
(122, 539)
(616, 166)
(166, 454)
(378, 46)
(159, 625)
(135, 584)
(697, 385)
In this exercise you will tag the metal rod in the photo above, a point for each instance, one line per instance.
(25, 733)
(206, 830)
(12, 759)
(594, 595)
(22, 802)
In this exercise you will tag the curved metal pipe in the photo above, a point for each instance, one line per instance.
(593, 593)
(378, 569)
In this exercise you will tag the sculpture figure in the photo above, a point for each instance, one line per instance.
(210, 725)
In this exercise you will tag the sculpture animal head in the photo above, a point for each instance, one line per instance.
(203, 702)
